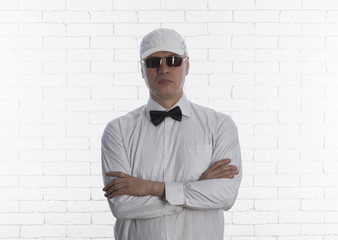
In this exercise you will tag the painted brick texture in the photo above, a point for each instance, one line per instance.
(67, 67)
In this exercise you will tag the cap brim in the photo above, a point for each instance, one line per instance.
(150, 51)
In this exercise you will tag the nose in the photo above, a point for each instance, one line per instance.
(163, 68)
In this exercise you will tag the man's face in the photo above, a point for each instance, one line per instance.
(165, 83)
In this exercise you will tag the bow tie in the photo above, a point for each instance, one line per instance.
(158, 116)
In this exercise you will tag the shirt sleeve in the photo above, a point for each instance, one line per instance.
(214, 193)
(114, 158)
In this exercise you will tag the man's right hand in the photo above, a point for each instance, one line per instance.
(220, 169)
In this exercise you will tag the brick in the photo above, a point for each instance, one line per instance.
(254, 117)
(90, 231)
(114, 67)
(43, 29)
(278, 79)
(114, 92)
(87, 206)
(278, 230)
(231, 4)
(20, 68)
(320, 55)
(256, 16)
(9, 181)
(276, 130)
(232, 105)
(21, 93)
(66, 42)
(210, 67)
(230, 79)
(319, 104)
(277, 55)
(303, 92)
(330, 142)
(42, 206)
(255, 218)
(22, 169)
(201, 42)
(162, 16)
(303, 16)
(9, 29)
(9, 4)
(66, 16)
(113, 42)
(208, 16)
(21, 194)
(331, 42)
(42, 55)
(254, 42)
(43, 131)
(275, 4)
(319, 129)
(66, 118)
(300, 142)
(284, 29)
(9, 156)
(319, 205)
(95, 29)
(231, 28)
(209, 92)
(330, 217)
(299, 168)
(42, 80)
(256, 67)
(114, 16)
(89, 5)
(57, 231)
(21, 42)
(276, 181)
(178, 5)
(102, 118)
(301, 193)
(66, 67)
(42, 105)
(66, 169)
(84, 155)
(85, 130)
(277, 155)
(133, 29)
(257, 193)
(319, 180)
(332, 67)
(301, 217)
(42, 5)
(103, 218)
(320, 29)
(331, 192)
(91, 105)
(9, 105)
(315, 154)
(10, 231)
(9, 206)
(320, 229)
(9, 131)
(300, 117)
(15, 143)
(277, 105)
(90, 55)
(231, 55)
(239, 230)
(68, 219)
(136, 5)
(254, 92)
(277, 205)
(42, 181)
(317, 4)
(67, 194)
(21, 219)
(67, 93)
(303, 42)
(85, 181)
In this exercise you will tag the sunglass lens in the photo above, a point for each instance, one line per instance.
(153, 62)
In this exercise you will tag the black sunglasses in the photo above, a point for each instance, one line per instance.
(172, 61)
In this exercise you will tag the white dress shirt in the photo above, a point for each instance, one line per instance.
(177, 153)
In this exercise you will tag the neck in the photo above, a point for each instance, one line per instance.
(167, 103)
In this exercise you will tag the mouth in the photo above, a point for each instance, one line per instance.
(164, 81)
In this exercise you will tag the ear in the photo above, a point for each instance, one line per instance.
(187, 66)
(142, 70)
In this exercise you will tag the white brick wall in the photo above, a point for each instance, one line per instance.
(67, 67)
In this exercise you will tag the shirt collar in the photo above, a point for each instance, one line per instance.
(183, 103)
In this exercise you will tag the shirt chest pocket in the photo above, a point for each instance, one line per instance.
(197, 159)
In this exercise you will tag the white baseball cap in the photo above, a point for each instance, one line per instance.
(162, 39)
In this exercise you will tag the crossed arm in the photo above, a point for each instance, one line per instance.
(125, 184)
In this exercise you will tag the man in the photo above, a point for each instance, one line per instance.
(166, 165)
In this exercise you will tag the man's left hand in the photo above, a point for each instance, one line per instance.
(125, 184)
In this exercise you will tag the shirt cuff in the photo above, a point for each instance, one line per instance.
(174, 193)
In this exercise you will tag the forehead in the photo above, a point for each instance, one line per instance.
(162, 54)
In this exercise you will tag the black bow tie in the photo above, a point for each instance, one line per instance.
(158, 116)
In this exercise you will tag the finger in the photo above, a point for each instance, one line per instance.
(111, 183)
(122, 191)
(116, 174)
(115, 188)
(220, 163)
(227, 174)
(225, 168)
